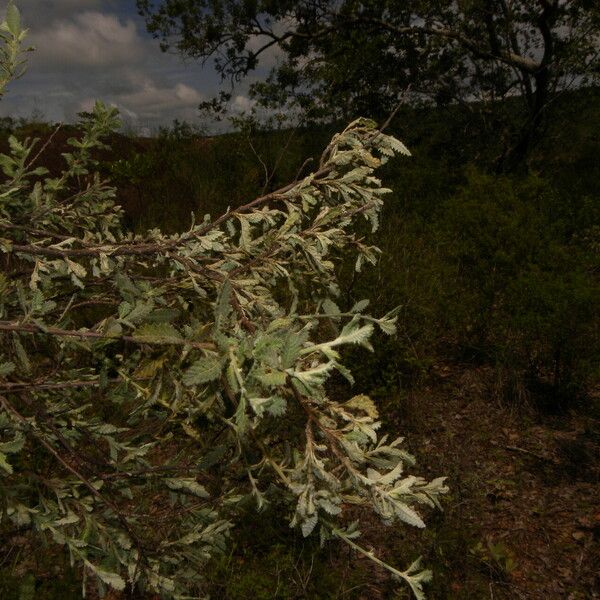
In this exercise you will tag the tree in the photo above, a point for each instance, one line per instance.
(345, 57)
(151, 386)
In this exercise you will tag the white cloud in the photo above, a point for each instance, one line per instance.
(150, 98)
(242, 104)
(98, 49)
(38, 13)
(146, 100)
(90, 39)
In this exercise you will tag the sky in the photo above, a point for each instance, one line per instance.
(99, 49)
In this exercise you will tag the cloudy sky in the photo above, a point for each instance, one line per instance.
(99, 49)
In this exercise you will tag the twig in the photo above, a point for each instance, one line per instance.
(13, 387)
(43, 148)
(25, 328)
(528, 452)
(263, 164)
(304, 165)
(11, 409)
(128, 248)
(396, 110)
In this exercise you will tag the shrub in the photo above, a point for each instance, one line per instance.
(527, 291)
(152, 386)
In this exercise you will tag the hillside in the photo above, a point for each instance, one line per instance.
(493, 377)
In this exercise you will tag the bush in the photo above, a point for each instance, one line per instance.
(153, 387)
(527, 291)
(499, 271)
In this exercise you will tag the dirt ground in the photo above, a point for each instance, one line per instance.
(523, 517)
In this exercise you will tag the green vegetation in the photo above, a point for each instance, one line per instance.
(171, 402)
(155, 387)
(498, 270)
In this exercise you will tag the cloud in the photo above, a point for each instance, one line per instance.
(50, 6)
(38, 13)
(241, 104)
(89, 39)
(99, 49)
(151, 100)
(147, 101)
(268, 58)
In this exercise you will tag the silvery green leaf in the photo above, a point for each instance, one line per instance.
(388, 326)
(6, 368)
(398, 146)
(314, 377)
(330, 307)
(291, 348)
(408, 515)
(187, 485)
(4, 464)
(69, 519)
(114, 580)
(275, 406)
(329, 507)
(360, 306)
(13, 19)
(271, 378)
(204, 370)
(309, 524)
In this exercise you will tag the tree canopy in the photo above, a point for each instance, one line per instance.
(339, 58)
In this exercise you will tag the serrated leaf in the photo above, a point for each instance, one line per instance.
(21, 354)
(316, 376)
(4, 464)
(223, 306)
(329, 507)
(309, 524)
(69, 519)
(14, 446)
(275, 406)
(364, 403)
(398, 146)
(189, 486)
(202, 371)
(292, 346)
(388, 326)
(360, 306)
(157, 333)
(330, 307)
(114, 580)
(6, 368)
(353, 334)
(408, 515)
(271, 378)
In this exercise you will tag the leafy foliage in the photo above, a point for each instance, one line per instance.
(12, 36)
(444, 52)
(152, 385)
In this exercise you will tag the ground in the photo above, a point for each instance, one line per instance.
(522, 521)
(523, 517)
